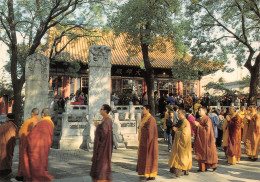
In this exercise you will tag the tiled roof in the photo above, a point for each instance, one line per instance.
(162, 55)
(79, 50)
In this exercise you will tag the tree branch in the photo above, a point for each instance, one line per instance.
(225, 28)
(243, 21)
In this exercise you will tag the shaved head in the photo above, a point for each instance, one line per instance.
(35, 111)
(46, 112)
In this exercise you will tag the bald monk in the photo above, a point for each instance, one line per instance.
(233, 151)
(204, 143)
(252, 133)
(39, 141)
(103, 146)
(8, 133)
(180, 161)
(147, 163)
(23, 132)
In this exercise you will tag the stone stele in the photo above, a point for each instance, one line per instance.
(36, 83)
(99, 82)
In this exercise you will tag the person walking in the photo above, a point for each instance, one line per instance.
(204, 142)
(101, 170)
(180, 160)
(147, 162)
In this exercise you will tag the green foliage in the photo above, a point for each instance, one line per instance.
(193, 68)
(220, 86)
(148, 22)
(124, 97)
(245, 82)
(5, 89)
(219, 28)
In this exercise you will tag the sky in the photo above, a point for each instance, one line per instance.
(3, 58)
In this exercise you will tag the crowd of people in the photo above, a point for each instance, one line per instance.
(209, 129)
(185, 131)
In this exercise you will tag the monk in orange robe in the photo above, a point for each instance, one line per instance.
(103, 146)
(233, 150)
(8, 133)
(23, 132)
(252, 133)
(147, 163)
(204, 143)
(39, 141)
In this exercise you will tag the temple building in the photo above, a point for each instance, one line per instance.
(126, 67)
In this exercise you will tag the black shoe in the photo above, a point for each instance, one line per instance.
(254, 159)
(19, 178)
(151, 178)
(186, 172)
(214, 169)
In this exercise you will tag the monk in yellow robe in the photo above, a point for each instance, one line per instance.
(180, 160)
(233, 150)
(147, 163)
(197, 106)
(23, 132)
(39, 141)
(204, 143)
(166, 116)
(252, 133)
(8, 133)
(225, 134)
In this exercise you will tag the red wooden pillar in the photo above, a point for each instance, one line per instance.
(181, 88)
(66, 87)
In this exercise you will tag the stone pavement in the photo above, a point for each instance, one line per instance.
(74, 166)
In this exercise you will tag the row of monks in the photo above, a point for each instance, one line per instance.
(204, 147)
(36, 138)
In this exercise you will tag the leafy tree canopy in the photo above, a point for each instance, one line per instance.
(224, 27)
(132, 18)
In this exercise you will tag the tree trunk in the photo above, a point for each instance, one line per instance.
(254, 81)
(148, 77)
(17, 106)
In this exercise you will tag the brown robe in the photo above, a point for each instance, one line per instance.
(204, 143)
(102, 154)
(147, 162)
(234, 137)
(188, 102)
(8, 133)
(39, 141)
(252, 138)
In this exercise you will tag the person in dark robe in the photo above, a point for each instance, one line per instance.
(233, 151)
(169, 124)
(8, 133)
(147, 163)
(39, 141)
(204, 143)
(103, 145)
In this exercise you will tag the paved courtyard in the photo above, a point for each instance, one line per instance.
(74, 166)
